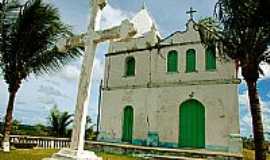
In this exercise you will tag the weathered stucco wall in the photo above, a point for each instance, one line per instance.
(157, 109)
(151, 62)
(156, 95)
(151, 67)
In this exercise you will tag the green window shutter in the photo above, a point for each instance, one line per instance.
(191, 60)
(130, 66)
(210, 58)
(172, 61)
(127, 130)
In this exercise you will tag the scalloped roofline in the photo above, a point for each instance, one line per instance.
(181, 32)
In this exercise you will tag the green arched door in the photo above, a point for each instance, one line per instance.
(127, 124)
(192, 124)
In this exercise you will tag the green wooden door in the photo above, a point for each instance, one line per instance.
(192, 125)
(191, 60)
(127, 124)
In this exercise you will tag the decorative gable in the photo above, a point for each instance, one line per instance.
(188, 36)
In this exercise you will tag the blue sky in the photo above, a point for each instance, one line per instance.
(39, 94)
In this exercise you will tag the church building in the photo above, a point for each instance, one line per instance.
(169, 92)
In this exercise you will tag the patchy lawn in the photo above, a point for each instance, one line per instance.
(35, 154)
(38, 154)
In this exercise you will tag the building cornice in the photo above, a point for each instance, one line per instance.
(158, 46)
(176, 84)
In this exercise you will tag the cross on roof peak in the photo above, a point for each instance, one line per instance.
(144, 5)
(190, 12)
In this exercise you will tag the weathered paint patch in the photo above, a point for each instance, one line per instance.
(139, 142)
(106, 137)
(152, 139)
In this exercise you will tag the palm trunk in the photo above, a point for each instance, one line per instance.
(260, 150)
(8, 120)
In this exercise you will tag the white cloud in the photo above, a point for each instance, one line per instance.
(245, 121)
(266, 69)
(113, 16)
(98, 70)
(46, 100)
(3, 92)
(266, 115)
(70, 73)
(240, 74)
(51, 91)
(243, 99)
(266, 107)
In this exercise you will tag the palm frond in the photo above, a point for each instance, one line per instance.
(28, 44)
(209, 30)
(39, 27)
(51, 61)
(59, 121)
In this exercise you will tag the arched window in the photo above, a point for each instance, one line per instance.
(172, 61)
(191, 60)
(210, 58)
(130, 66)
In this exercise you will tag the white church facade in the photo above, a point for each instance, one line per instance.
(171, 92)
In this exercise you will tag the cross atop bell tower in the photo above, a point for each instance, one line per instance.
(190, 12)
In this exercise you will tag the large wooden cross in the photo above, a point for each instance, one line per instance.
(90, 41)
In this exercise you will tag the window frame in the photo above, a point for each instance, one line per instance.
(169, 62)
(209, 66)
(127, 67)
(194, 68)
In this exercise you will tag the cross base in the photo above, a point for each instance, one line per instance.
(69, 154)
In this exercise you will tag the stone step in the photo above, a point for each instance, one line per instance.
(69, 154)
(144, 150)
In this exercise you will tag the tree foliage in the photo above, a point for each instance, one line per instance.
(28, 36)
(27, 41)
(59, 121)
(242, 32)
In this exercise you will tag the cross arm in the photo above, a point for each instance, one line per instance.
(66, 43)
(124, 30)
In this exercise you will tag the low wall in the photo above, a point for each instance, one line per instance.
(41, 142)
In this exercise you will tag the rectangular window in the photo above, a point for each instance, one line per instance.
(191, 60)
(130, 66)
(172, 61)
(210, 58)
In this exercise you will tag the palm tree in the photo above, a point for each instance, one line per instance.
(28, 34)
(90, 134)
(59, 121)
(242, 32)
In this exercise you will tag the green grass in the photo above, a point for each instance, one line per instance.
(35, 154)
(38, 154)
